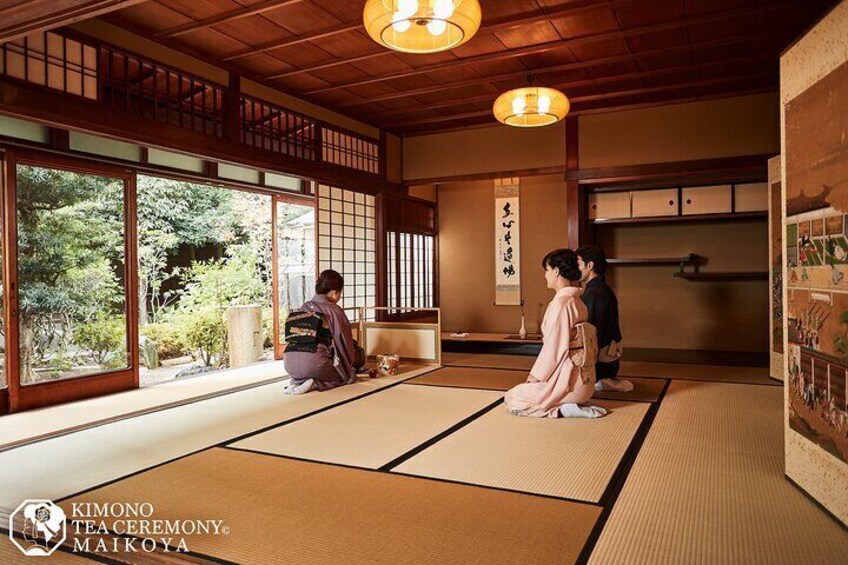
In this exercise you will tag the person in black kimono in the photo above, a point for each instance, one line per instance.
(603, 314)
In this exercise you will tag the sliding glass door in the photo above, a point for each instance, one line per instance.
(294, 260)
(70, 238)
(205, 279)
(106, 286)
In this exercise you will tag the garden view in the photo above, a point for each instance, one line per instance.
(202, 251)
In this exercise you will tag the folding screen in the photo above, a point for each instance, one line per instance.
(814, 88)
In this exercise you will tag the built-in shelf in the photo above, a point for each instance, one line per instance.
(724, 276)
(690, 218)
(690, 259)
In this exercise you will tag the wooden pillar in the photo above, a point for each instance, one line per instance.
(232, 110)
(383, 168)
(575, 213)
(381, 268)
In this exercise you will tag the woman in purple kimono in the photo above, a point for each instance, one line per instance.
(327, 367)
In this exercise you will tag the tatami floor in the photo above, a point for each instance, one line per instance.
(428, 467)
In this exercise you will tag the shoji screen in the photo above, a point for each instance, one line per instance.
(347, 242)
(410, 269)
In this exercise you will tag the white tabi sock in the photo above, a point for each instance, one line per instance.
(575, 411)
(302, 388)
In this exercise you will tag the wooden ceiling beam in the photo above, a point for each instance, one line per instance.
(663, 71)
(593, 97)
(229, 16)
(533, 49)
(23, 18)
(320, 34)
(573, 8)
(562, 68)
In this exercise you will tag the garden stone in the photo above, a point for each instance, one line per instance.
(195, 370)
(147, 352)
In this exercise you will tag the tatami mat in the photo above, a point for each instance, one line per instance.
(645, 390)
(11, 554)
(374, 430)
(33, 424)
(708, 487)
(569, 458)
(489, 360)
(472, 377)
(61, 466)
(286, 511)
(685, 371)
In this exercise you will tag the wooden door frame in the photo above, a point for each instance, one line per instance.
(76, 388)
(4, 182)
(298, 200)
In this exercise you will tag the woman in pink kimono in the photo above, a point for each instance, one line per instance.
(557, 386)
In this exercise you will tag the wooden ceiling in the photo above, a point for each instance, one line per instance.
(602, 53)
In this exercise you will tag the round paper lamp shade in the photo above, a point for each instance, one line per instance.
(532, 106)
(421, 26)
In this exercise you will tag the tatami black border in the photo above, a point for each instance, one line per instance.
(138, 413)
(606, 503)
(616, 483)
(454, 387)
(412, 476)
(709, 381)
(229, 440)
(626, 376)
(439, 437)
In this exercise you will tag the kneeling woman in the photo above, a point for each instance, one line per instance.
(557, 386)
(328, 366)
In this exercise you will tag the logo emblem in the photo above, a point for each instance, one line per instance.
(44, 527)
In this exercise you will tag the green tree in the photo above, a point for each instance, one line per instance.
(70, 255)
(171, 214)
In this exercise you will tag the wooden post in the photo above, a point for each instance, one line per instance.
(383, 169)
(232, 110)
(574, 210)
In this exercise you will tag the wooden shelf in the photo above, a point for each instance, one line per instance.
(692, 218)
(492, 337)
(724, 276)
(690, 259)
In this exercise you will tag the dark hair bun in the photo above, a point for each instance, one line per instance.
(565, 261)
(328, 280)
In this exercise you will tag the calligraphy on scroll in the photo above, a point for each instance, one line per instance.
(507, 243)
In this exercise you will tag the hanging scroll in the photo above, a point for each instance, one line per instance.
(507, 245)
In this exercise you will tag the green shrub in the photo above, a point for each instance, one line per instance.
(169, 340)
(206, 333)
(60, 364)
(103, 336)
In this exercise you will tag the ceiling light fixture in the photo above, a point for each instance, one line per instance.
(421, 26)
(531, 106)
